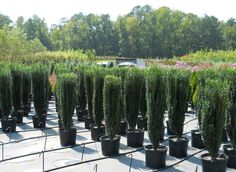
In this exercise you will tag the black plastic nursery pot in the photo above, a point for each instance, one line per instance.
(8, 125)
(81, 113)
(231, 153)
(97, 132)
(39, 122)
(110, 147)
(169, 131)
(19, 116)
(218, 165)
(26, 110)
(178, 147)
(135, 138)
(142, 123)
(155, 158)
(196, 139)
(68, 137)
(123, 127)
(87, 121)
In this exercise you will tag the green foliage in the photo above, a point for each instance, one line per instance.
(5, 91)
(17, 86)
(67, 87)
(214, 107)
(88, 80)
(201, 77)
(156, 103)
(120, 72)
(177, 98)
(132, 89)
(98, 84)
(81, 94)
(111, 96)
(211, 56)
(39, 75)
(26, 71)
(230, 75)
(143, 100)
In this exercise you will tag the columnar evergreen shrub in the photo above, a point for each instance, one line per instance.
(81, 95)
(214, 108)
(231, 115)
(111, 96)
(26, 85)
(67, 87)
(5, 91)
(132, 89)
(143, 100)
(177, 98)
(16, 73)
(156, 101)
(98, 83)
(39, 76)
(88, 79)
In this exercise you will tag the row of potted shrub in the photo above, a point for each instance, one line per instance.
(121, 94)
(16, 82)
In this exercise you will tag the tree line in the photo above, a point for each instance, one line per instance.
(144, 32)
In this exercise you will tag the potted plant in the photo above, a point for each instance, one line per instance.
(142, 119)
(60, 68)
(230, 149)
(16, 74)
(81, 110)
(197, 83)
(156, 105)
(8, 124)
(111, 94)
(26, 90)
(214, 106)
(121, 72)
(98, 129)
(88, 80)
(132, 89)
(39, 75)
(177, 99)
(67, 88)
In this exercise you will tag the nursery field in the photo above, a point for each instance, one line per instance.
(63, 111)
(32, 149)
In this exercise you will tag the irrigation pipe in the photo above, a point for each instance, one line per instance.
(51, 150)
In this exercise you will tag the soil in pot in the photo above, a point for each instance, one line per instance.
(19, 116)
(97, 132)
(142, 123)
(218, 165)
(178, 147)
(87, 122)
(169, 131)
(155, 159)
(110, 147)
(123, 127)
(135, 138)
(39, 122)
(8, 125)
(81, 113)
(68, 137)
(196, 139)
(231, 153)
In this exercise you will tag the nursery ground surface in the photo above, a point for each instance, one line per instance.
(25, 150)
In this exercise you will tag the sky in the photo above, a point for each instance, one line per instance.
(53, 10)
